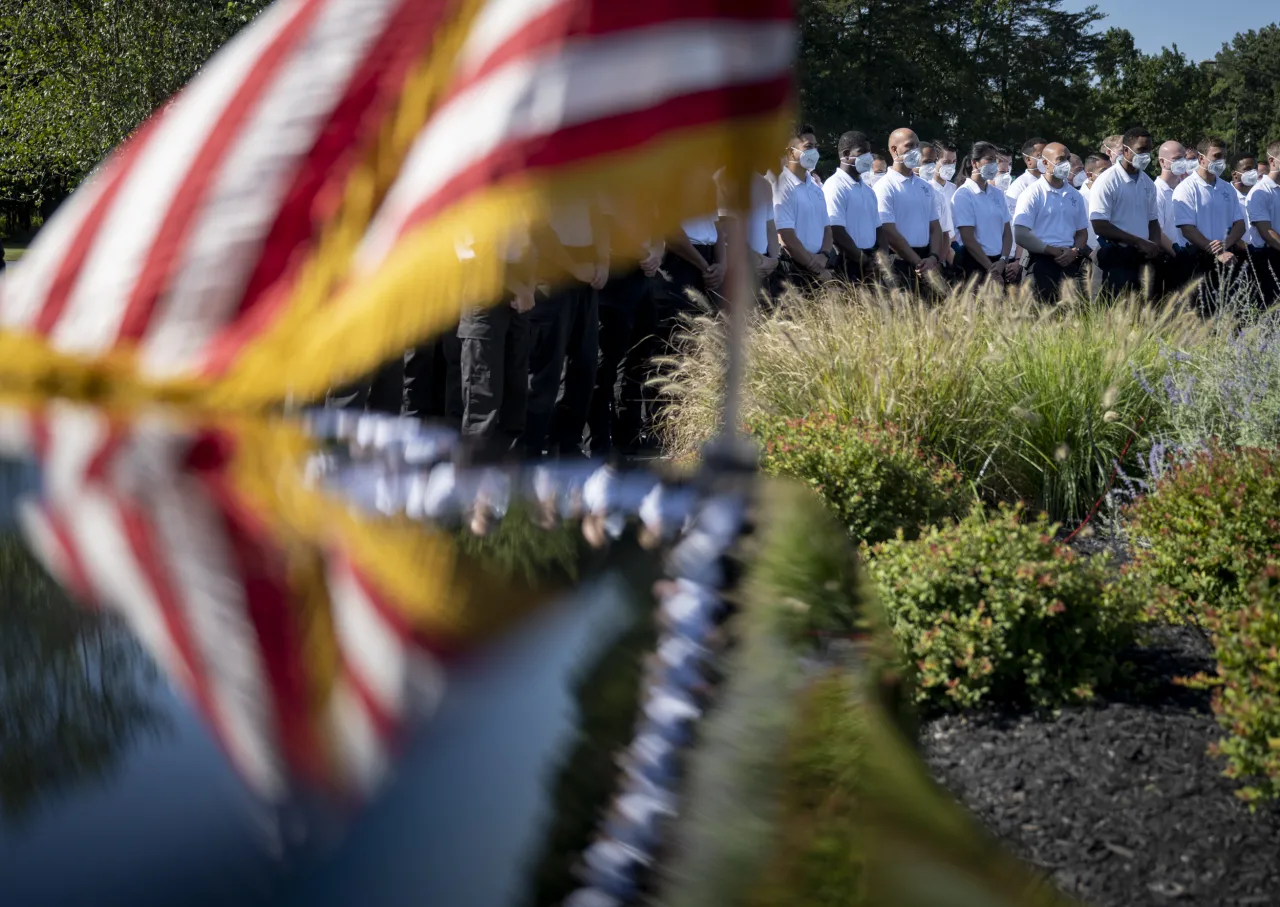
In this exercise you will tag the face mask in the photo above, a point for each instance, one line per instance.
(809, 158)
(1142, 161)
(1040, 165)
(990, 171)
(1062, 170)
(1217, 168)
(872, 178)
(1079, 179)
(1002, 180)
(1249, 178)
(928, 170)
(947, 171)
(1179, 168)
(864, 163)
(911, 160)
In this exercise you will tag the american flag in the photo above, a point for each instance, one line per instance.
(301, 653)
(290, 218)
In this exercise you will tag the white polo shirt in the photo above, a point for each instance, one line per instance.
(1054, 215)
(761, 212)
(1250, 237)
(1085, 192)
(909, 204)
(1210, 209)
(700, 230)
(1264, 205)
(800, 205)
(1019, 186)
(987, 211)
(946, 192)
(852, 205)
(1126, 202)
(1164, 208)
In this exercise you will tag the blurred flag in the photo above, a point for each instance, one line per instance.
(292, 218)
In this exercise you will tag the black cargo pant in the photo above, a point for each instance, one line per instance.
(627, 318)
(565, 342)
(493, 347)
(1217, 281)
(905, 275)
(1123, 267)
(1047, 276)
(1264, 264)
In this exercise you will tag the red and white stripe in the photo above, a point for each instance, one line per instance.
(559, 82)
(124, 525)
(199, 216)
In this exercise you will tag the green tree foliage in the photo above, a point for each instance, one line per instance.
(78, 76)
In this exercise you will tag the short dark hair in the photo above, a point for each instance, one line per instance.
(1094, 160)
(981, 150)
(1029, 146)
(1247, 156)
(853, 141)
(1211, 141)
(802, 129)
(1134, 133)
(943, 147)
(878, 157)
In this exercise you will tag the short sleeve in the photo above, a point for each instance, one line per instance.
(1258, 207)
(784, 210)
(1024, 214)
(1082, 217)
(1241, 212)
(1184, 214)
(1153, 211)
(1100, 200)
(962, 210)
(837, 194)
(884, 205)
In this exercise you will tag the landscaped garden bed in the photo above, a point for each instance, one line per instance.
(1109, 709)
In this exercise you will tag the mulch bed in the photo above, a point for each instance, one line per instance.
(1119, 803)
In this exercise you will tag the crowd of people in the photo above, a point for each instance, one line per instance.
(568, 370)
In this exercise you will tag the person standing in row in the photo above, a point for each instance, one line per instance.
(1078, 175)
(981, 216)
(1032, 149)
(1052, 224)
(800, 214)
(909, 215)
(1177, 265)
(1207, 211)
(566, 330)
(1122, 208)
(938, 169)
(1264, 214)
(1243, 178)
(852, 210)
(879, 167)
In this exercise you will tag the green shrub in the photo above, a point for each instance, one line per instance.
(1246, 640)
(874, 478)
(993, 610)
(1208, 528)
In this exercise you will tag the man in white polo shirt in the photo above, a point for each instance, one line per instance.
(1122, 209)
(1177, 263)
(909, 214)
(800, 213)
(1052, 224)
(1264, 214)
(1207, 211)
(852, 210)
(981, 216)
(938, 169)
(1032, 149)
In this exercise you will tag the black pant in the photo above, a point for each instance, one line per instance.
(378, 393)
(905, 275)
(617, 405)
(1123, 267)
(864, 271)
(1264, 265)
(494, 375)
(685, 280)
(1173, 272)
(1047, 276)
(565, 331)
(1218, 282)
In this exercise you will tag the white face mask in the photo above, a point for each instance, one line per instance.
(864, 163)
(1062, 170)
(1079, 179)
(1217, 168)
(947, 171)
(1040, 165)
(872, 178)
(989, 171)
(1181, 168)
(928, 170)
(1002, 180)
(1142, 161)
(809, 158)
(1249, 177)
(911, 160)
